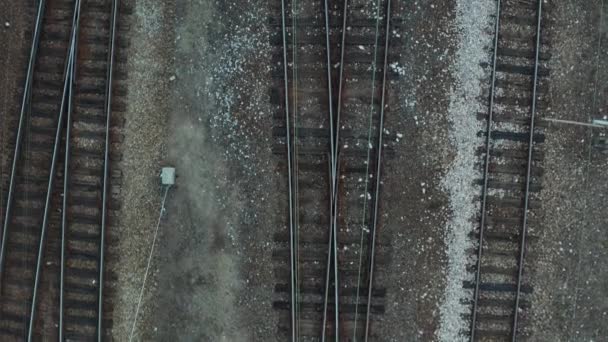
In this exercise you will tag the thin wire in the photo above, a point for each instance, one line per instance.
(143, 284)
(575, 123)
(369, 139)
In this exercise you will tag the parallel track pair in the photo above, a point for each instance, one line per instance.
(512, 172)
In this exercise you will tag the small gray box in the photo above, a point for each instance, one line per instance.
(167, 176)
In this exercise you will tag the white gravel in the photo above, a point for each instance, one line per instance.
(240, 96)
(473, 18)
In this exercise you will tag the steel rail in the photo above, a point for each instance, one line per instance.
(333, 238)
(330, 252)
(64, 223)
(333, 177)
(295, 162)
(484, 193)
(27, 90)
(293, 267)
(106, 167)
(340, 88)
(378, 170)
(524, 231)
(336, 153)
(330, 95)
(66, 97)
(66, 180)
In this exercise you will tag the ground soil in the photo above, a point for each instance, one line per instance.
(212, 247)
(414, 204)
(144, 147)
(15, 36)
(571, 278)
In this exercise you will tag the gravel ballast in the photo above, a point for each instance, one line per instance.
(472, 23)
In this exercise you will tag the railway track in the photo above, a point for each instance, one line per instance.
(60, 197)
(512, 172)
(330, 94)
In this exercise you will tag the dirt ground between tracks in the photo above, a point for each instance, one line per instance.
(569, 303)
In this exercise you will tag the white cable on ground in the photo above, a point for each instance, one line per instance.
(143, 285)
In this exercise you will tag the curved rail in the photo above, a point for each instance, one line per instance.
(25, 103)
(106, 167)
(66, 98)
(332, 327)
(66, 176)
(334, 145)
(63, 117)
(524, 231)
(484, 193)
(293, 267)
(378, 170)
(333, 236)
